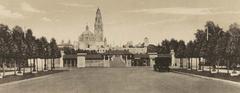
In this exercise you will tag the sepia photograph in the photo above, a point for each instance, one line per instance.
(119, 46)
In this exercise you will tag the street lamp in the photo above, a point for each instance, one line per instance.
(45, 64)
(207, 37)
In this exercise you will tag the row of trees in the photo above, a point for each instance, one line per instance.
(18, 46)
(218, 47)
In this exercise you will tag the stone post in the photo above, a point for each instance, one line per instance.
(173, 57)
(81, 62)
(130, 61)
(61, 59)
(126, 61)
(105, 61)
(108, 61)
(152, 57)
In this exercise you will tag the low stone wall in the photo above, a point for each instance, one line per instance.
(195, 62)
(40, 63)
(128, 63)
(58, 63)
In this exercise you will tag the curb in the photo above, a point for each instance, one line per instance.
(209, 78)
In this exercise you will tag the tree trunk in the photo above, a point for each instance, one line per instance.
(53, 63)
(203, 65)
(210, 65)
(210, 68)
(3, 66)
(218, 67)
(42, 64)
(37, 64)
(191, 64)
(199, 63)
(185, 65)
(34, 64)
(15, 66)
(19, 66)
(196, 63)
(228, 66)
(30, 65)
(188, 63)
(24, 66)
(45, 64)
(181, 63)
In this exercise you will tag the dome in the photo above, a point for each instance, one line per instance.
(87, 36)
(87, 32)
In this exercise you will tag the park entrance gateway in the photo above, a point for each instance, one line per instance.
(111, 58)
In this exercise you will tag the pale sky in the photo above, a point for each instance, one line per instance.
(124, 20)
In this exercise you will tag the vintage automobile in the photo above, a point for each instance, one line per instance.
(162, 64)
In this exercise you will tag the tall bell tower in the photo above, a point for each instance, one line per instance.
(98, 26)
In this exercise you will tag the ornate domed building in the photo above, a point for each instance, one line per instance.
(89, 40)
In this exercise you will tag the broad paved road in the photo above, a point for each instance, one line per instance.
(119, 80)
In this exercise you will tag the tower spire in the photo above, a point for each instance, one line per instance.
(98, 26)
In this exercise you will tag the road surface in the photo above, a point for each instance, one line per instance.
(119, 80)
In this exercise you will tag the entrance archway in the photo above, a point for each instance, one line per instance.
(118, 58)
(117, 61)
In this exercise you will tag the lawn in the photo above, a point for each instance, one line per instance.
(224, 76)
(11, 78)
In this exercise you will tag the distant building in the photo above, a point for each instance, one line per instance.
(146, 42)
(129, 44)
(63, 44)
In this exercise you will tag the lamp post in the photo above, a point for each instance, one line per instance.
(45, 64)
(201, 65)
(207, 38)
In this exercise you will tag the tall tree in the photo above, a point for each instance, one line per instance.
(152, 48)
(201, 46)
(189, 53)
(54, 50)
(18, 37)
(29, 41)
(44, 47)
(181, 51)
(213, 35)
(34, 52)
(39, 50)
(233, 44)
(49, 55)
(4, 45)
(165, 47)
(173, 44)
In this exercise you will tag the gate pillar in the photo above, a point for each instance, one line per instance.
(152, 57)
(173, 58)
(81, 61)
